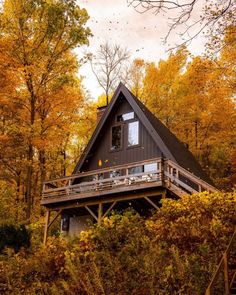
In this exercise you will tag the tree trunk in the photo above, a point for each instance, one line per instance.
(42, 163)
(30, 156)
(196, 135)
(29, 182)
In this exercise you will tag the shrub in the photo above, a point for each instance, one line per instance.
(175, 252)
(14, 237)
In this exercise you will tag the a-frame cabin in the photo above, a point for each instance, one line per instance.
(132, 159)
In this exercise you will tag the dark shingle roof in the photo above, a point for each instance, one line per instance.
(181, 154)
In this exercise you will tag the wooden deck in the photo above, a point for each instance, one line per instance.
(104, 188)
(100, 183)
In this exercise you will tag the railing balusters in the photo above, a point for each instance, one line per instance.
(167, 171)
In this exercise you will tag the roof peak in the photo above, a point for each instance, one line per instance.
(169, 144)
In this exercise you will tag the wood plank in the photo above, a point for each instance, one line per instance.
(109, 209)
(100, 213)
(91, 212)
(101, 193)
(152, 203)
(191, 176)
(55, 217)
(118, 198)
(181, 183)
(98, 171)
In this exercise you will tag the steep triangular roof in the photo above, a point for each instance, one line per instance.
(168, 143)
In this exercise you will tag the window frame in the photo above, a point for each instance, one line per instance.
(127, 135)
(123, 121)
(121, 139)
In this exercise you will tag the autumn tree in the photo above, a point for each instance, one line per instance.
(159, 86)
(136, 74)
(109, 66)
(40, 37)
(194, 98)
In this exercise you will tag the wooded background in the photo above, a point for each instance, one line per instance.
(47, 117)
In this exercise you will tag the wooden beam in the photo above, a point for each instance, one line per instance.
(111, 199)
(100, 210)
(100, 194)
(109, 209)
(152, 203)
(47, 219)
(91, 212)
(55, 217)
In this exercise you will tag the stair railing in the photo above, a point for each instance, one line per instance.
(184, 179)
(222, 266)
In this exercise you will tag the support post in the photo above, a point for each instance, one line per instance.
(109, 209)
(226, 274)
(54, 219)
(152, 203)
(100, 211)
(47, 218)
(91, 212)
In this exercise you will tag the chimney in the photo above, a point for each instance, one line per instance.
(100, 112)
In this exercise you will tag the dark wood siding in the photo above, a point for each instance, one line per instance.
(101, 151)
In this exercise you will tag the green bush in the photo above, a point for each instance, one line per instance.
(14, 237)
(175, 252)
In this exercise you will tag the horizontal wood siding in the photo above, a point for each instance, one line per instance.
(102, 153)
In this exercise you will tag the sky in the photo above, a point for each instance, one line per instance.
(142, 34)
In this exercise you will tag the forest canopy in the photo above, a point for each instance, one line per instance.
(46, 119)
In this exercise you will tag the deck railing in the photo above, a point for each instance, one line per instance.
(157, 171)
(103, 179)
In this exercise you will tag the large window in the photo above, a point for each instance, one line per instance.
(133, 133)
(116, 137)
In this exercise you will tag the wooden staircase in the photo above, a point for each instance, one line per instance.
(227, 268)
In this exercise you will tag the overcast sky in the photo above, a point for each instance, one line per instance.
(142, 34)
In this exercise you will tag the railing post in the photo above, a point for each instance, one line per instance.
(226, 274)
(162, 163)
(199, 188)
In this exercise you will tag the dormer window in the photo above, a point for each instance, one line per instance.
(133, 133)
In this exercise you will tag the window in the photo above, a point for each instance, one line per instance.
(125, 117)
(116, 138)
(133, 133)
(65, 223)
(135, 170)
(150, 167)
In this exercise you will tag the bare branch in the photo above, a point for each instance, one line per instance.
(108, 66)
(213, 15)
